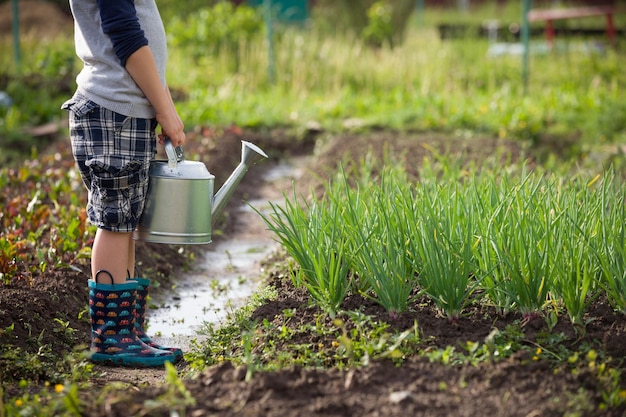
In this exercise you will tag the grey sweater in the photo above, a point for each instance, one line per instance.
(106, 32)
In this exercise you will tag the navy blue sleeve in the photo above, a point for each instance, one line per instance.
(120, 22)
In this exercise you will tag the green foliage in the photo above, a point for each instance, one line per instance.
(526, 242)
(176, 397)
(607, 239)
(221, 61)
(173, 8)
(41, 365)
(47, 74)
(319, 248)
(379, 29)
(220, 31)
(521, 244)
(440, 244)
(60, 400)
(366, 340)
(498, 345)
(43, 218)
(351, 339)
(225, 343)
(378, 238)
(375, 22)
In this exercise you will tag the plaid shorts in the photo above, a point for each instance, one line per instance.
(113, 154)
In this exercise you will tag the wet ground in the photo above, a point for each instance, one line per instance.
(228, 272)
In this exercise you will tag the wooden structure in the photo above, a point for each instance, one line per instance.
(550, 15)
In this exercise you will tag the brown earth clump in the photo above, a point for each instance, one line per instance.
(37, 19)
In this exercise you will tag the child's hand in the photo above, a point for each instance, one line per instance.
(172, 127)
(171, 124)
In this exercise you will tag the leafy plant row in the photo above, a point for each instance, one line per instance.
(525, 242)
(43, 219)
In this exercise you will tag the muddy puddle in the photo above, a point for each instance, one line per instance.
(227, 274)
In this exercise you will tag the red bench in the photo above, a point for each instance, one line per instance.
(550, 15)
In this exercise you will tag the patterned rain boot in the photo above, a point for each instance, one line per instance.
(143, 286)
(114, 340)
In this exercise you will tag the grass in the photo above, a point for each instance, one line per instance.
(339, 83)
(425, 83)
(520, 241)
(377, 238)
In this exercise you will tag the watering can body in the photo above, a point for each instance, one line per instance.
(180, 207)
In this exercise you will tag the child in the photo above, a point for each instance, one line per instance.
(121, 96)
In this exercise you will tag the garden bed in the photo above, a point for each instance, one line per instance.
(552, 370)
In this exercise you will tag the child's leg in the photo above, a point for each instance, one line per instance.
(141, 305)
(110, 253)
(130, 261)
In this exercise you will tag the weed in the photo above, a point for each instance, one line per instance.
(176, 397)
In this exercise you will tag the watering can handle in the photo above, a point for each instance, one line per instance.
(174, 154)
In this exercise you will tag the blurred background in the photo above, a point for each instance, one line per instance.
(331, 65)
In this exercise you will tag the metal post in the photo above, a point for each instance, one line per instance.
(16, 34)
(463, 5)
(525, 43)
(419, 10)
(271, 68)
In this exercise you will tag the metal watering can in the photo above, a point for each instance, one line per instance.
(180, 206)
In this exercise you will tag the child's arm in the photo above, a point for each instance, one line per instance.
(120, 23)
(142, 68)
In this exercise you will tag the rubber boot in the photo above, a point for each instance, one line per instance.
(143, 287)
(114, 340)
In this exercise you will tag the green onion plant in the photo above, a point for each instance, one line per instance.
(609, 248)
(314, 236)
(518, 239)
(577, 214)
(442, 238)
(378, 229)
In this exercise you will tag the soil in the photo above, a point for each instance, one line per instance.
(37, 19)
(517, 386)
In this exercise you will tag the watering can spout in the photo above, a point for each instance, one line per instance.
(250, 155)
